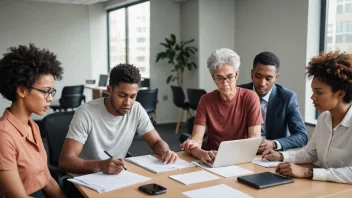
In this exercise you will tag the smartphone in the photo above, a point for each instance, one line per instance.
(153, 189)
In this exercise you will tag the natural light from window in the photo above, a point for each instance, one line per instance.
(129, 37)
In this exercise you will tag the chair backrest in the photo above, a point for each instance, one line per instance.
(103, 80)
(105, 93)
(148, 99)
(194, 97)
(56, 127)
(178, 96)
(72, 96)
(72, 90)
(90, 82)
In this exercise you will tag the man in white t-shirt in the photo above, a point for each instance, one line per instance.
(109, 124)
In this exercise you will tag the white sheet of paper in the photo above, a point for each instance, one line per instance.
(226, 171)
(102, 182)
(265, 163)
(154, 165)
(221, 190)
(194, 177)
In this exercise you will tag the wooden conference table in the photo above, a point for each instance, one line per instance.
(300, 188)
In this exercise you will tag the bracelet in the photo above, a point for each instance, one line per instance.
(310, 172)
(274, 145)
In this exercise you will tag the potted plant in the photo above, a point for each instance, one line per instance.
(178, 54)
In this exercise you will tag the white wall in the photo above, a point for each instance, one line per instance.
(190, 30)
(63, 29)
(216, 30)
(98, 39)
(164, 20)
(279, 26)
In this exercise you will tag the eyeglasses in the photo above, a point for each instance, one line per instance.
(221, 80)
(46, 93)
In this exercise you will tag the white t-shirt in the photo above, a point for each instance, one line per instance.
(99, 131)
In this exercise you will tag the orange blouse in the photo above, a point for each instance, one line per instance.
(18, 152)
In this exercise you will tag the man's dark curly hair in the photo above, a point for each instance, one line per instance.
(126, 73)
(23, 65)
(267, 58)
(335, 70)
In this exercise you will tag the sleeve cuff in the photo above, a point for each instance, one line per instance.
(319, 174)
(279, 147)
(287, 157)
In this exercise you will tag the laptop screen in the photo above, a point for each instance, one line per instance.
(103, 80)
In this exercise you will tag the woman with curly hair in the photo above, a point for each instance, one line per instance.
(27, 76)
(330, 147)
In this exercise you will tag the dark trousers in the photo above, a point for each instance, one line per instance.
(39, 194)
(72, 191)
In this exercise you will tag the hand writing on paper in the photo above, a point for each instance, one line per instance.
(112, 166)
(208, 157)
(271, 155)
(169, 157)
(292, 170)
(188, 145)
(266, 144)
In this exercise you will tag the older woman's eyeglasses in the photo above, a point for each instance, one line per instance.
(46, 92)
(221, 80)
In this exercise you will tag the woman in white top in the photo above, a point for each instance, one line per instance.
(331, 144)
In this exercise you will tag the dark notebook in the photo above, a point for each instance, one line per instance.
(264, 180)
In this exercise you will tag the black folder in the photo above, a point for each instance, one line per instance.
(264, 180)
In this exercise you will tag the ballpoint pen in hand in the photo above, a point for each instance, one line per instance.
(112, 157)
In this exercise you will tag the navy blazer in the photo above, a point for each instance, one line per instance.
(284, 122)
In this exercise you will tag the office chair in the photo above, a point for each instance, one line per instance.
(194, 97)
(188, 134)
(179, 101)
(90, 82)
(71, 97)
(55, 126)
(105, 93)
(148, 99)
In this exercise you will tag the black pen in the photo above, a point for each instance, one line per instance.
(112, 157)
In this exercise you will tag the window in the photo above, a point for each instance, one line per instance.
(342, 6)
(336, 34)
(336, 28)
(140, 40)
(129, 36)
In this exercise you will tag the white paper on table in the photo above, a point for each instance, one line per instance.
(265, 163)
(102, 182)
(194, 177)
(221, 190)
(96, 188)
(226, 171)
(154, 165)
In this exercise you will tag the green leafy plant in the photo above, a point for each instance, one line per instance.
(178, 54)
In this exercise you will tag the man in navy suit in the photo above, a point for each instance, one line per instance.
(283, 126)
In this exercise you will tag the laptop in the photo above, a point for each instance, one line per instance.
(264, 180)
(236, 152)
(103, 80)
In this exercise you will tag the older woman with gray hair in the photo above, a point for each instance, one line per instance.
(230, 112)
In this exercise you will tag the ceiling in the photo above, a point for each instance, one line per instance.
(83, 2)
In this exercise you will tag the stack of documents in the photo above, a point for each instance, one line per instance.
(103, 183)
(154, 165)
(265, 163)
(194, 177)
(222, 190)
(226, 171)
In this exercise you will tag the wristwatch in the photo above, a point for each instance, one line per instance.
(310, 173)
(274, 145)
